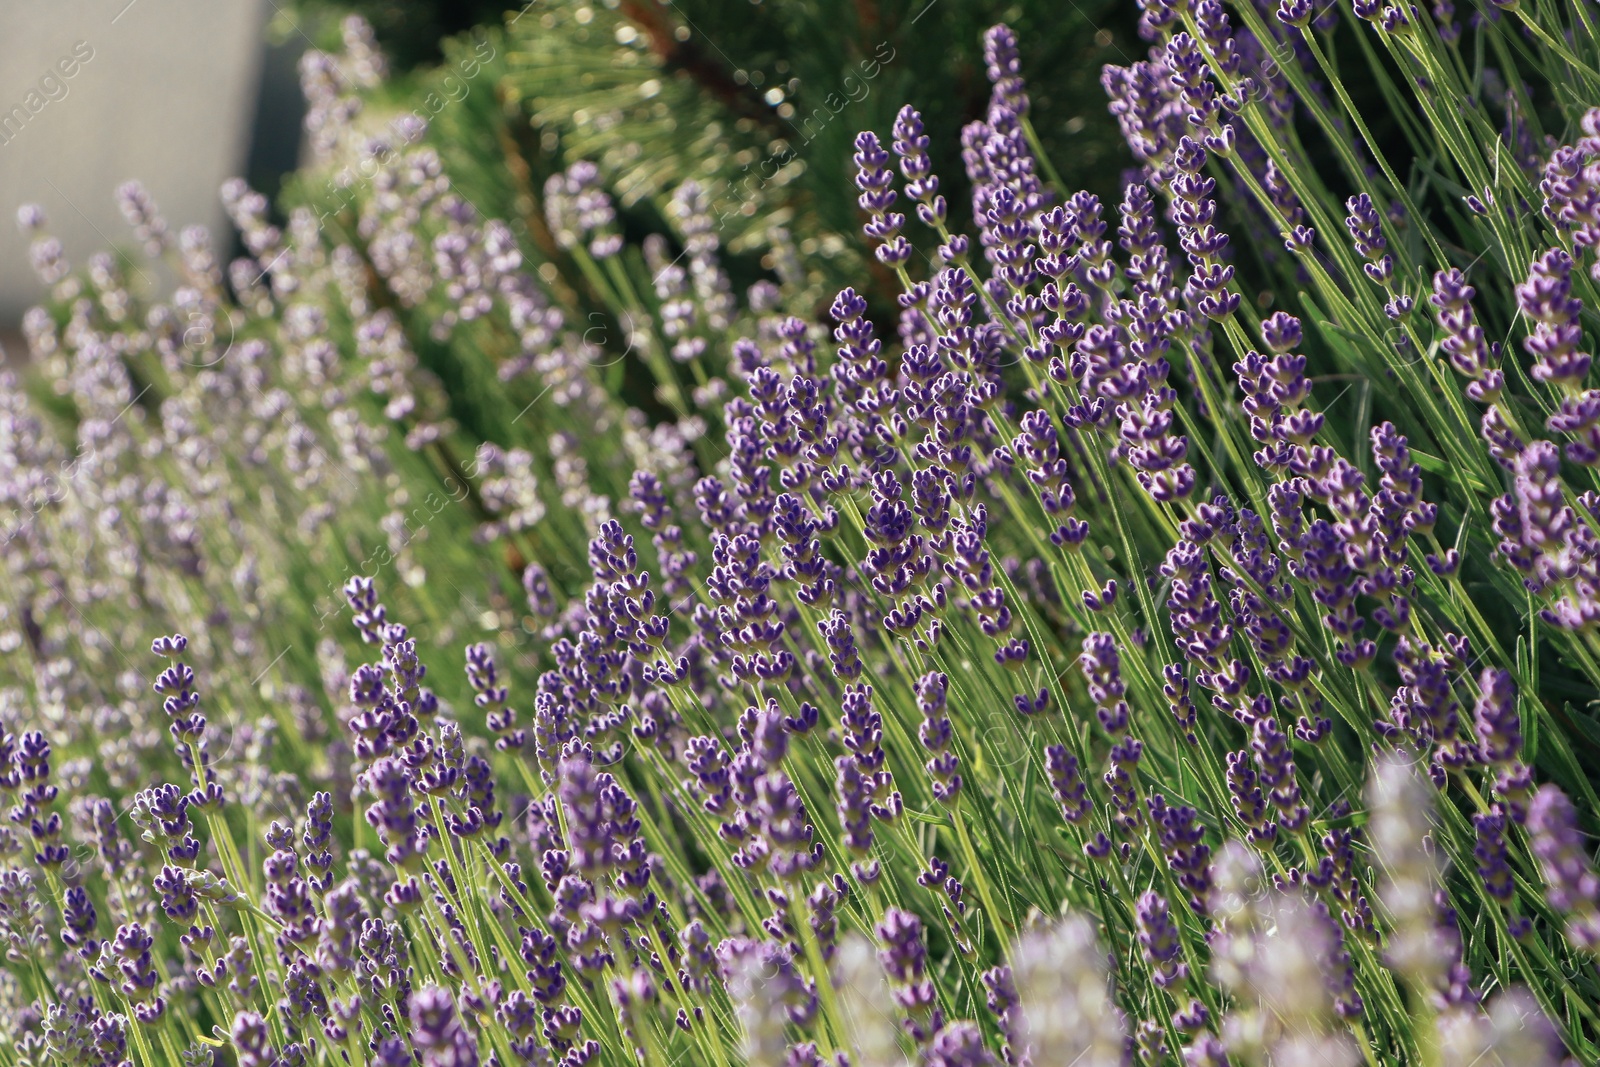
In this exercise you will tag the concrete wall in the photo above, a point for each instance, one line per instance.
(166, 95)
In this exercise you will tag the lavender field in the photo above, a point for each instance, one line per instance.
(545, 595)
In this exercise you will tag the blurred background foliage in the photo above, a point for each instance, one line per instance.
(758, 102)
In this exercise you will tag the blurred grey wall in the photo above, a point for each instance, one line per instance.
(94, 92)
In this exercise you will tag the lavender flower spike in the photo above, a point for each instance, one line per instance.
(1571, 884)
(1102, 669)
(876, 182)
(1158, 938)
(1546, 298)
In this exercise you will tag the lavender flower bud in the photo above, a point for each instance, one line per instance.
(1287, 974)
(1182, 840)
(129, 950)
(1367, 236)
(761, 1015)
(1066, 783)
(252, 1041)
(960, 1044)
(1464, 340)
(1498, 726)
(935, 733)
(922, 185)
(1159, 940)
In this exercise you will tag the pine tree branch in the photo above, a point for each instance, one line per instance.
(687, 56)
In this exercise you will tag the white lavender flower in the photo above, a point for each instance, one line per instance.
(1512, 1033)
(1288, 976)
(761, 1013)
(1402, 803)
(510, 489)
(865, 999)
(1235, 907)
(1068, 1016)
(1274, 951)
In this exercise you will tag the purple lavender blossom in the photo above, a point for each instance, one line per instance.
(1209, 285)
(875, 180)
(1159, 941)
(1067, 784)
(935, 733)
(922, 185)
(437, 1030)
(1064, 998)
(1546, 298)
(1102, 670)
(1571, 884)
(129, 951)
(905, 959)
(1490, 856)
(1366, 235)
(1464, 340)
(1182, 840)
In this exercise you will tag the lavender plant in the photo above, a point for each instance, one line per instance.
(1081, 676)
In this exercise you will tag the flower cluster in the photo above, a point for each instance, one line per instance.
(1138, 637)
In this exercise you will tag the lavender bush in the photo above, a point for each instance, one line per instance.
(1175, 645)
